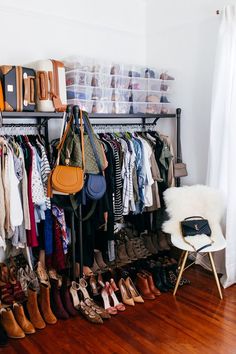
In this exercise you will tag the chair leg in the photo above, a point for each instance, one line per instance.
(181, 259)
(215, 274)
(180, 272)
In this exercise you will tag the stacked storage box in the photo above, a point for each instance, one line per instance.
(99, 87)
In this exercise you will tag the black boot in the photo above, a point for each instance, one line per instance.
(156, 273)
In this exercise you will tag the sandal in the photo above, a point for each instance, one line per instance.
(42, 274)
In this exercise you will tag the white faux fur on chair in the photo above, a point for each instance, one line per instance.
(197, 200)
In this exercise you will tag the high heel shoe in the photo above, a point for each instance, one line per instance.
(133, 291)
(89, 302)
(93, 285)
(118, 305)
(85, 310)
(125, 293)
(113, 285)
(107, 306)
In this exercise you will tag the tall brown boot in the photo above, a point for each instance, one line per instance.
(10, 325)
(44, 303)
(32, 307)
(21, 319)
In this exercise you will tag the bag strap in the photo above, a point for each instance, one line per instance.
(89, 130)
(194, 217)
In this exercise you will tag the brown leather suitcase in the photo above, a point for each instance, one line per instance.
(18, 88)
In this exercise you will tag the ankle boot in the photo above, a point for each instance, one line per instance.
(162, 242)
(98, 257)
(95, 268)
(144, 249)
(21, 319)
(156, 272)
(66, 299)
(33, 310)
(137, 250)
(122, 255)
(3, 337)
(155, 241)
(44, 304)
(149, 244)
(57, 305)
(10, 325)
(143, 286)
(164, 277)
(130, 250)
(151, 284)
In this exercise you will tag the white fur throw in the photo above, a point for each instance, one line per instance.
(197, 200)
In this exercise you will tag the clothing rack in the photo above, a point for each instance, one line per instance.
(97, 119)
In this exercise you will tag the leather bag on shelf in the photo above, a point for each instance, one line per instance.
(18, 88)
(67, 179)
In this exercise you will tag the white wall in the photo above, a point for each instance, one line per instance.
(182, 36)
(57, 28)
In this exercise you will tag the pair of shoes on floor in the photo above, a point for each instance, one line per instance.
(27, 278)
(15, 323)
(129, 292)
(99, 265)
(62, 305)
(111, 303)
(10, 287)
(86, 306)
(146, 286)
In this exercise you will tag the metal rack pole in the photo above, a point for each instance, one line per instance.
(178, 133)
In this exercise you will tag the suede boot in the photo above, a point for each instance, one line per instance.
(44, 304)
(33, 310)
(149, 244)
(56, 302)
(130, 250)
(99, 259)
(66, 298)
(122, 255)
(10, 325)
(21, 319)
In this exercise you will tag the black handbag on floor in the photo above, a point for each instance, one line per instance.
(195, 225)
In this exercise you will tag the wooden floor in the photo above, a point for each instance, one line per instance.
(197, 321)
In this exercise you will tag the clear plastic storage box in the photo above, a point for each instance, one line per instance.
(121, 95)
(121, 107)
(80, 92)
(102, 94)
(121, 82)
(101, 107)
(119, 69)
(168, 108)
(77, 77)
(138, 83)
(83, 104)
(154, 96)
(153, 108)
(138, 107)
(139, 95)
(100, 80)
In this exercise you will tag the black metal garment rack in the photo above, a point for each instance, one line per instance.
(42, 119)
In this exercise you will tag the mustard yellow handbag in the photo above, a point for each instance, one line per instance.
(66, 179)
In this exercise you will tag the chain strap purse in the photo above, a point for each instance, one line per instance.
(193, 226)
(67, 179)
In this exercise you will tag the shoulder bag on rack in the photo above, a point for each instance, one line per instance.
(196, 225)
(95, 186)
(66, 178)
(180, 168)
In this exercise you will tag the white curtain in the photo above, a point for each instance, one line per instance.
(222, 150)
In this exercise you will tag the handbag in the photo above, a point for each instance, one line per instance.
(180, 170)
(72, 147)
(193, 226)
(65, 178)
(95, 186)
